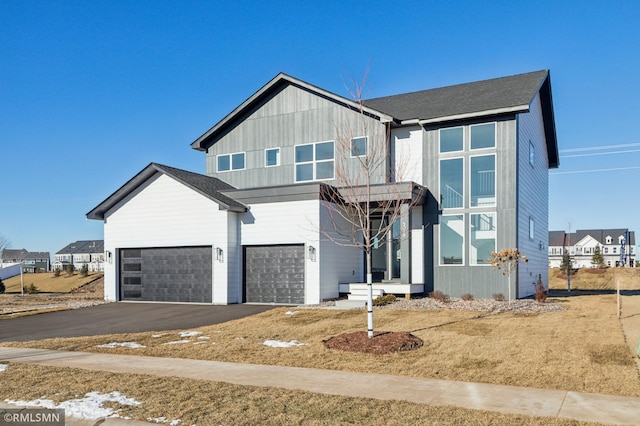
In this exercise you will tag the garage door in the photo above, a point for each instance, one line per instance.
(167, 274)
(274, 274)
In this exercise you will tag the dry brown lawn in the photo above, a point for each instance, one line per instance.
(594, 279)
(582, 348)
(47, 282)
(214, 403)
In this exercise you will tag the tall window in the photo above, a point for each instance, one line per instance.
(452, 240)
(532, 229)
(314, 161)
(483, 136)
(532, 154)
(272, 157)
(483, 181)
(359, 147)
(229, 162)
(451, 139)
(451, 183)
(483, 238)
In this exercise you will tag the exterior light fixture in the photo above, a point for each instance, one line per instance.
(311, 253)
(219, 254)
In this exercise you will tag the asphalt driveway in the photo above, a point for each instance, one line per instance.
(121, 318)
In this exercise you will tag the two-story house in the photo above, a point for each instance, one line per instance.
(34, 261)
(617, 247)
(79, 254)
(475, 159)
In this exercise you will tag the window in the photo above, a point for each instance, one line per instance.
(451, 183)
(483, 238)
(483, 181)
(606, 250)
(615, 250)
(483, 136)
(452, 240)
(272, 157)
(532, 229)
(532, 154)
(359, 147)
(228, 162)
(451, 139)
(314, 161)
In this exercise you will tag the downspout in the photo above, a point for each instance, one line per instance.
(517, 197)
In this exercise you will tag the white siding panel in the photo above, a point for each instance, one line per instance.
(406, 145)
(417, 246)
(165, 213)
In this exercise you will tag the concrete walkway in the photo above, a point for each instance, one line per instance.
(505, 399)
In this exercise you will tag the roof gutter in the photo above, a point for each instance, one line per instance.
(507, 110)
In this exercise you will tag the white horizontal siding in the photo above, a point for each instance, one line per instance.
(164, 213)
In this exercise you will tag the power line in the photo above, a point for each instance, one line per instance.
(600, 153)
(594, 170)
(599, 148)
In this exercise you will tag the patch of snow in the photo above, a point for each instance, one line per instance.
(204, 337)
(163, 419)
(177, 342)
(132, 345)
(279, 344)
(189, 333)
(3, 367)
(89, 407)
(291, 312)
(155, 336)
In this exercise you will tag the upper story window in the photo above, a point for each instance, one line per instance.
(451, 139)
(272, 157)
(483, 136)
(608, 239)
(532, 229)
(229, 162)
(483, 181)
(314, 161)
(451, 183)
(615, 250)
(359, 147)
(532, 154)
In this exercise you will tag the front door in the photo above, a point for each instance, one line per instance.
(385, 256)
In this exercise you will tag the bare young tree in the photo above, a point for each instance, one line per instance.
(4, 243)
(368, 185)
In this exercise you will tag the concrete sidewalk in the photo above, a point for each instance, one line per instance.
(506, 399)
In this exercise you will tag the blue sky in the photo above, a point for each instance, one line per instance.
(92, 92)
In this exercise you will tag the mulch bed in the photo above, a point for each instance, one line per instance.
(382, 342)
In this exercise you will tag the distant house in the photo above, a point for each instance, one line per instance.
(80, 253)
(616, 245)
(34, 261)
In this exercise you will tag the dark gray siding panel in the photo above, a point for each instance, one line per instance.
(274, 274)
(167, 274)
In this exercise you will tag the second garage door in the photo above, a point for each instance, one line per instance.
(166, 274)
(274, 274)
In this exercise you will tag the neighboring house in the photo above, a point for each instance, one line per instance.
(80, 253)
(478, 156)
(617, 247)
(34, 261)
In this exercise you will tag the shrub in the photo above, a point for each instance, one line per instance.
(69, 269)
(384, 300)
(498, 297)
(31, 289)
(439, 296)
(84, 271)
(541, 295)
(56, 272)
(2, 287)
(467, 297)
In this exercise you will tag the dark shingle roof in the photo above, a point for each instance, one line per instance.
(22, 254)
(208, 186)
(83, 247)
(600, 235)
(556, 238)
(498, 94)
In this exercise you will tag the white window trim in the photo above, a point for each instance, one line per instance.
(464, 242)
(440, 138)
(366, 140)
(230, 155)
(495, 179)
(314, 162)
(495, 135)
(265, 157)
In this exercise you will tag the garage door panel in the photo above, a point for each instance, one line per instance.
(274, 274)
(167, 274)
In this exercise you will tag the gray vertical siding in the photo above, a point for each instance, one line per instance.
(480, 281)
(533, 199)
(291, 117)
